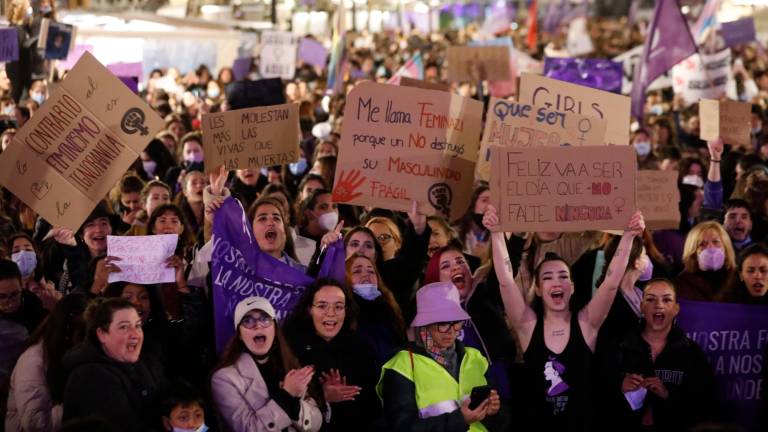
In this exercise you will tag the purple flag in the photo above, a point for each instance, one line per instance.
(9, 45)
(734, 337)
(334, 263)
(131, 82)
(240, 270)
(738, 32)
(599, 74)
(126, 69)
(312, 52)
(241, 67)
(554, 16)
(668, 42)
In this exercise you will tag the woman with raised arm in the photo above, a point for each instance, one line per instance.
(558, 345)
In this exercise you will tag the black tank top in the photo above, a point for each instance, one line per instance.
(558, 384)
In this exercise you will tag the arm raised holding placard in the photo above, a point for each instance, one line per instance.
(713, 187)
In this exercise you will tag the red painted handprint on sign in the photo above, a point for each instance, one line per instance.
(346, 187)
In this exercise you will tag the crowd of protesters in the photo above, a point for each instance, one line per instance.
(439, 325)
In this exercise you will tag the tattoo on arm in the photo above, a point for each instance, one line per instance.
(508, 264)
(560, 332)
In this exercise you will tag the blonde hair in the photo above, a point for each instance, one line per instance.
(16, 12)
(690, 250)
(391, 226)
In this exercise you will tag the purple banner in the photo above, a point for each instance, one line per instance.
(240, 270)
(126, 69)
(599, 74)
(9, 45)
(313, 52)
(241, 67)
(738, 32)
(131, 82)
(734, 337)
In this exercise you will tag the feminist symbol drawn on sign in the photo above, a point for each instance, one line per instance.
(584, 129)
(441, 196)
(133, 121)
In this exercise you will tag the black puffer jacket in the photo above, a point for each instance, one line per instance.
(686, 373)
(125, 395)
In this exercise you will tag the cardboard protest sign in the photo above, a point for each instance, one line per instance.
(702, 76)
(427, 85)
(250, 94)
(312, 51)
(400, 144)
(278, 55)
(571, 98)
(728, 120)
(252, 138)
(9, 44)
(563, 188)
(510, 124)
(142, 258)
(480, 63)
(579, 41)
(56, 39)
(733, 336)
(69, 155)
(595, 73)
(658, 198)
(738, 32)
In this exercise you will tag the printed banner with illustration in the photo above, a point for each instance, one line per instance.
(571, 98)
(511, 124)
(400, 144)
(734, 337)
(78, 144)
(252, 137)
(563, 188)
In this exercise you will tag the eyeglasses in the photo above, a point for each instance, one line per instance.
(12, 296)
(326, 307)
(445, 327)
(251, 322)
(384, 238)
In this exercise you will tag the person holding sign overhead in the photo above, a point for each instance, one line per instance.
(558, 344)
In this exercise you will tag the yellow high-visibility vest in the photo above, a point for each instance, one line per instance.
(437, 392)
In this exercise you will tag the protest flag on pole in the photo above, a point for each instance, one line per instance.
(668, 42)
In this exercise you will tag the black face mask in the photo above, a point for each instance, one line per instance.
(477, 218)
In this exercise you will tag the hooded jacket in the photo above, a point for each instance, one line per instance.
(686, 373)
(124, 394)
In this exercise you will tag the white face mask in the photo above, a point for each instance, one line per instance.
(26, 261)
(643, 148)
(367, 291)
(328, 221)
(202, 428)
(149, 167)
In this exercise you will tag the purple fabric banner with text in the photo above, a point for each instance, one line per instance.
(738, 32)
(734, 337)
(239, 269)
(599, 74)
(9, 45)
(668, 42)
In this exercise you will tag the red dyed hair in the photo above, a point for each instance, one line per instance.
(432, 274)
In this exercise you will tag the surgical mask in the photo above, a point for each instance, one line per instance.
(647, 273)
(693, 180)
(643, 148)
(9, 110)
(44, 10)
(368, 291)
(38, 97)
(299, 167)
(194, 157)
(264, 171)
(202, 428)
(214, 92)
(657, 110)
(711, 259)
(149, 167)
(328, 221)
(26, 261)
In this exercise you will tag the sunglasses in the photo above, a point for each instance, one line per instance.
(445, 327)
